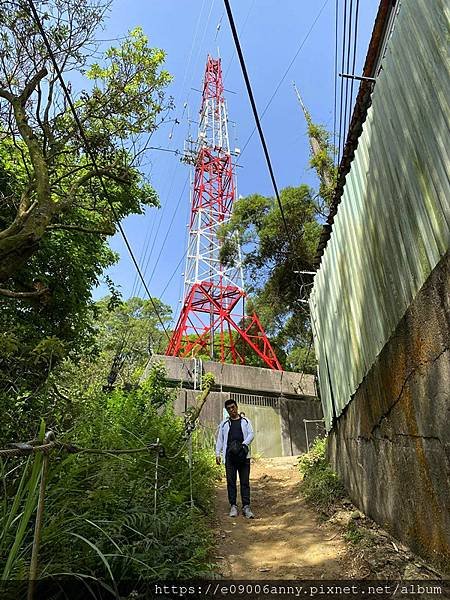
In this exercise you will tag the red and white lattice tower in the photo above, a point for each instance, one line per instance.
(213, 320)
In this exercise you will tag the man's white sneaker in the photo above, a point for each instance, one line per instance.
(247, 512)
(233, 511)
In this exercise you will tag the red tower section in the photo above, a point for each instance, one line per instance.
(213, 320)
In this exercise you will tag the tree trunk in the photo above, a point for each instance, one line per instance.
(22, 239)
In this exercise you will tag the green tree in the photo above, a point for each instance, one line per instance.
(44, 379)
(273, 259)
(55, 215)
(129, 333)
(59, 185)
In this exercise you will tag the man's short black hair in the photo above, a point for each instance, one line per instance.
(229, 402)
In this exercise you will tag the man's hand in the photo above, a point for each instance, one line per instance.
(218, 460)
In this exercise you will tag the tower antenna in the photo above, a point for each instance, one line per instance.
(213, 319)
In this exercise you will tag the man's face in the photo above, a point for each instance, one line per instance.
(232, 410)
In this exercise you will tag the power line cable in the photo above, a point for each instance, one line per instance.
(354, 56)
(173, 274)
(92, 157)
(341, 99)
(241, 31)
(168, 230)
(336, 27)
(172, 178)
(347, 83)
(258, 123)
(145, 259)
(283, 77)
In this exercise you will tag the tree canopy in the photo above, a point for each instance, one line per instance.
(273, 258)
(59, 184)
(59, 199)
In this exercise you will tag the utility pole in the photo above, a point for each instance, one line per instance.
(212, 318)
(316, 144)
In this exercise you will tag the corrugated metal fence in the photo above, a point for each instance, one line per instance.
(393, 223)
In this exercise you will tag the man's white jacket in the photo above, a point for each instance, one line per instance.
(222, 436)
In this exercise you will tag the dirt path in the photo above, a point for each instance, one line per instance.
(284, 541)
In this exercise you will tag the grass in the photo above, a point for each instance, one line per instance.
(321, 486)
(354, 534)
(100, 518)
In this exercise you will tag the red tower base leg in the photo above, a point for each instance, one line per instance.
(207, 322)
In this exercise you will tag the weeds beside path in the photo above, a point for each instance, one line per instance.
(291, 540)
(284, 541)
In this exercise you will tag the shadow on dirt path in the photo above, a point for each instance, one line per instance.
(284, 540)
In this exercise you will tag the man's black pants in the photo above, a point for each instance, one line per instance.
(231, 469)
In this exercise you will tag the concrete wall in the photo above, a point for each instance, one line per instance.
(279, 429)
(239, 377)
(292, 413)
(288, 399)
(391, 446)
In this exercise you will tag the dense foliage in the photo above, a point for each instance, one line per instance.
(121, 337)
(62, 169)
(101, 516)
(273, 259)
(59, 198)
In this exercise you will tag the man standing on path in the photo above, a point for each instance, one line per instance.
(235, 433)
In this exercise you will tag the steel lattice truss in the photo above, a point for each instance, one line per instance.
(212, 320)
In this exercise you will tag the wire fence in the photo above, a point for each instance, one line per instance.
(45, 447)
(49, 444)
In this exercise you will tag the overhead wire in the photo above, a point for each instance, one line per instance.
(336, 28)
(168, 230)
(88, 150)
(258, 124)
(173, 274)
(151, 239)
(208, 19)
(354, 58)
(259, 127)
(283, 77)
(241, 31)
(341, 99)
(347, 70)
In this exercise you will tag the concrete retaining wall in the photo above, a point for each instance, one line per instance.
(391, 446)
(279, 429)
(238, 377)
(278, 420)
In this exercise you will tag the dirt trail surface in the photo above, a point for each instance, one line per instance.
(284, 540)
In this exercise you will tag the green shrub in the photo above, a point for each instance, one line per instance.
(321, 486)
(100, 516)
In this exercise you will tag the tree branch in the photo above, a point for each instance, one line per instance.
(7, 95)
(20, 295)
(82, 229)
(60, 394)
(104, 172)
(31, 85)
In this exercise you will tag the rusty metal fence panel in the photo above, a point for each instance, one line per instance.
(393, 223)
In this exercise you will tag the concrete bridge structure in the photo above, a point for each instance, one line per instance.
(283, 407)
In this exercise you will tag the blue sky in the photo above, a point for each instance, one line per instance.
(271, 33)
